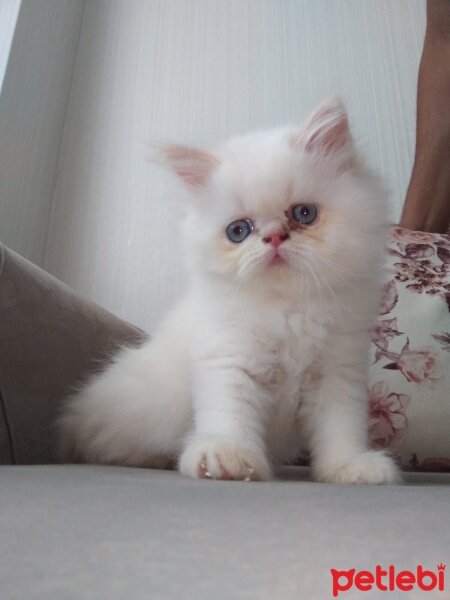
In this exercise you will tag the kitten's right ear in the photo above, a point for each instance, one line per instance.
(326, 131)
(192, 165)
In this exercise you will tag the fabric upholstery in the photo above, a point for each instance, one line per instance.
(6, 456)
(50, 339)
(97, 533)
(410, 375)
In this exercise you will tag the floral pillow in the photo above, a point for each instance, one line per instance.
(410, 375)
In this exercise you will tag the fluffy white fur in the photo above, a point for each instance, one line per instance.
(258, 359)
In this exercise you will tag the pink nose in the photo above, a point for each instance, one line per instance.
(276, 238)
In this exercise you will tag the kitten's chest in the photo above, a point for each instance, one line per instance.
(290, 343)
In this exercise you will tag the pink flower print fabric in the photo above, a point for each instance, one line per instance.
(409, 392)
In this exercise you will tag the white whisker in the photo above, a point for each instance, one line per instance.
(335, 267)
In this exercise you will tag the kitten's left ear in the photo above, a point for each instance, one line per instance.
(326, 131)
(192, 165)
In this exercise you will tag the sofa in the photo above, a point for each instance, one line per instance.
(92, 532)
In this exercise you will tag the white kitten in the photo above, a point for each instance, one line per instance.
(268, 350)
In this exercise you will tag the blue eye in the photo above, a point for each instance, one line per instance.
(304, 213)
(238, 230)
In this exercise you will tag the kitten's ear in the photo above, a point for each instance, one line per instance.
(326, 130)
(192, 165)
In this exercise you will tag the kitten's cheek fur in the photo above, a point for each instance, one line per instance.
(207, 457)
(370, 467)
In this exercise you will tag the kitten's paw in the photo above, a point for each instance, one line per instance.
(371, 467)
(213, 458)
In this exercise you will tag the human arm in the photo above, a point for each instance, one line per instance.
(427, 204)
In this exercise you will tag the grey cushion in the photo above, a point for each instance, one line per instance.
(50, 339)
(107, 533)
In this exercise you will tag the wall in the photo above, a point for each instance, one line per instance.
(9, 10)
(33, 104)
(197, 71)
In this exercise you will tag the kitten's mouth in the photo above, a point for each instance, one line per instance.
(276, 260)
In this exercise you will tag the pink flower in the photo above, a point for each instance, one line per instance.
(420, 365)
(444, 254)
(416, 251)
(389, 298)
(387, 422)
(443, 240)
(414, 237)
(384, 330)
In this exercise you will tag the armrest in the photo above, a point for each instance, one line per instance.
(50, 340)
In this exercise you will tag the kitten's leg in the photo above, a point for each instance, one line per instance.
(228, 437)
(339, 422)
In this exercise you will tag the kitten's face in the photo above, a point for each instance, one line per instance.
(284, 205)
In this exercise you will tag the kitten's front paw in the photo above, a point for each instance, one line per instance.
(213, 458)
(371, 467)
